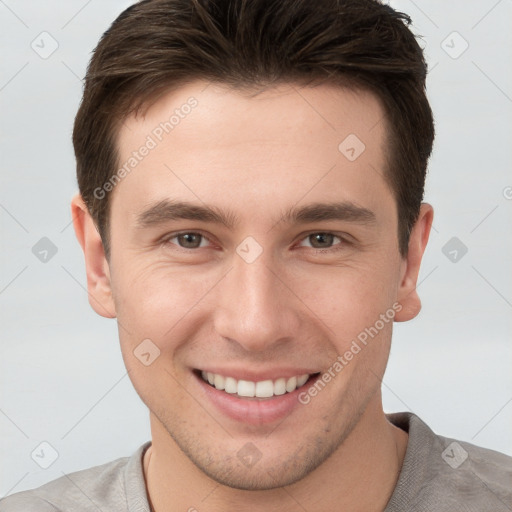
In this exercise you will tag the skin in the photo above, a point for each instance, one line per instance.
(296, 306)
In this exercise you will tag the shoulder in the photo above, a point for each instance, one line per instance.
(443, 474)
(100, 487)
(477, 472)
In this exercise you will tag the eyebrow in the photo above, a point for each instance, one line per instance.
(169, 210)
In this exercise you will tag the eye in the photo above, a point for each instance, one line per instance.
(322, 240)
(188, 240)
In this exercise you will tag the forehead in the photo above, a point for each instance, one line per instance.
(302, 110)
(208, 141)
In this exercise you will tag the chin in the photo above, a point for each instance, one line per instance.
(257, 479)
(274, 466)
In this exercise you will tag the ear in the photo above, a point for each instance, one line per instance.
(96, 264)
(407, 294)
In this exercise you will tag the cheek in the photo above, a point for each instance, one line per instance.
(153, 304)
(151, 293)
(349, 299)
(155, 301)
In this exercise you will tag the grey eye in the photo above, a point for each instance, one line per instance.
(189, 240)
(321, 240)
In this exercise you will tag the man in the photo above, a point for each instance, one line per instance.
(251, 179)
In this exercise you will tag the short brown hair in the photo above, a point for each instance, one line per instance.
(159, 45)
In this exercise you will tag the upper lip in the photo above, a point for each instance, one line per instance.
(258, 375)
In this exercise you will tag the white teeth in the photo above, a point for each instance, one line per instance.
(264, 389)
(219, 381)
(230, 385)
(302, 380)
(261, 389)
(246, 388)
(291, 384)
(280, 387)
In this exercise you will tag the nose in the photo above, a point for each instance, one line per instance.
(256, 307)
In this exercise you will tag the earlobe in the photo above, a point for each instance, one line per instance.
(97, 267)
(407, 294)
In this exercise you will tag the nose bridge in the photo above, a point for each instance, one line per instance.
(255, 308)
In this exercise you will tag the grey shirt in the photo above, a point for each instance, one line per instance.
(438, 475)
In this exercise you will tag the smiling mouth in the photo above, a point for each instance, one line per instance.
(261, 389)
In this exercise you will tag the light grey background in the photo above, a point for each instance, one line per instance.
(62, 379)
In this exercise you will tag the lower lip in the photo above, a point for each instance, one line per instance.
(254, 411)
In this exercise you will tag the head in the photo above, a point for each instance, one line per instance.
(251, 179)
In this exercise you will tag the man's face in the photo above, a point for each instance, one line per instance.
(266, 295)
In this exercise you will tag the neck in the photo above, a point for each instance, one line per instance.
(359, 476)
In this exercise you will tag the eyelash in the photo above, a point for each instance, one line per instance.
(335, 248)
